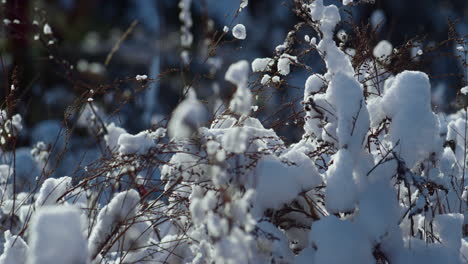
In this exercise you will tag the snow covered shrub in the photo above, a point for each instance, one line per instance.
(377, 176)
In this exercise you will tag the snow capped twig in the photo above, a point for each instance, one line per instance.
(141, 77)
(56, 236)
(120, 209)
(47, 29)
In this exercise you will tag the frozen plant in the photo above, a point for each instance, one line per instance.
(376, 176)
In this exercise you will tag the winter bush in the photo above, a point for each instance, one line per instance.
(377, 177)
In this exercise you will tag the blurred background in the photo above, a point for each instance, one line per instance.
(94, 49)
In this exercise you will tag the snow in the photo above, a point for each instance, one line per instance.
(234, 248)
(14, 250)
(414, 125)
(342, 35)
(212, 147)
(455, 132)
(203, 204)
(279, 246)
(464, 249)
(265, 79)
(379, 211)
(47, 29)
(464, 90)
(370, 168)
(187, 117)
(341, 193)
(239, 31)
(238, 74)
(221, 156)
(284, 63)
(313, 41)
(112, 136)
(51, 190)
(262, 64)
(121, 208)
(185, 16)
(383, 50)
(96, 68)
(340, 241)
(376, 112)
(449, 228)
(5, 173)
(244, 4)
(16, 122)
(141, 77)
(313, 85)
(140, 143)
(56, 236)
(235, 140)
(305, 256)
(329, 19)
(377, 18)
(345, 94)
(329, 16)
(276, 176)
(10, 126)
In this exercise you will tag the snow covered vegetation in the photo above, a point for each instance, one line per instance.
(377, 176)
